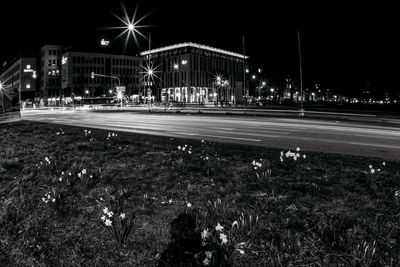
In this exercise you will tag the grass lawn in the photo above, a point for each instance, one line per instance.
(94, 198)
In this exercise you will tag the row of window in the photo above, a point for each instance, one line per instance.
(102, 80)
(53, 62)
(54, 52)
(100, 70)
(101, 60)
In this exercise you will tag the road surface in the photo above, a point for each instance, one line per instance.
(352, 138)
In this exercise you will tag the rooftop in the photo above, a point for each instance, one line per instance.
(200, 46)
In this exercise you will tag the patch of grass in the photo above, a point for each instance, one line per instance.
(322, 210)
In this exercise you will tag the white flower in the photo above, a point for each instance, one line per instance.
(297, 155)
(384, 163)
(48, 196)
(62, 173)
(91, 176)
(79, 175)
(60, 179)
(255, 168)
(219, 227)
(89, 132)
(240, 251)
(110, 214)
(370, 166)
(84, 171)
(223, 238)
(188, 204)
(122, 215)
(205, 234)
(105, 210)
(206, 261)
(254, 162)
(304, 156)
(298, 149)
(235, 223)
(170, 201)
(108, 222)
(294, 158)
(183, 148)
(43, 199)
(378, 170)
(208, 254)
(281, 153)
(190, 152)
(372, 170)
(179, 147)
(281, 159)
(103, 218)
(397, 193)
(47, 160)
(259, 164)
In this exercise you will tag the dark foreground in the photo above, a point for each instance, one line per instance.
(320, 210)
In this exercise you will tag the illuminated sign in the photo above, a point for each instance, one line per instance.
(28, 68)
(64, 60)
(104, 42)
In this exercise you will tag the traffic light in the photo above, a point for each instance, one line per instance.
(92, 75)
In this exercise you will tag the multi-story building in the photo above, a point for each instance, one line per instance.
(194, 73)
(113, 70)
(18, 80)
(50, 70)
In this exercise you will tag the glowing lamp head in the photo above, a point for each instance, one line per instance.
(263, 83)
(272, 90)
(176, 66)
(131, 27)
(87, 92)
(253, 77)
(150, 72)
(110, 91)
(218, 78)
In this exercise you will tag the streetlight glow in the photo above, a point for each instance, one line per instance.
(130, 26)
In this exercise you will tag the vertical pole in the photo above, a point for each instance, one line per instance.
(244, 76)
(301, 77)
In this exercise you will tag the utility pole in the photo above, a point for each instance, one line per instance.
(244, 76)
(301, 77)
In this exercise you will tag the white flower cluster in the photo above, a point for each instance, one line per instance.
(169, 201)
(397, 194)
(83, 173)
(60, 132)
(47, 160)
(207, 260)
(372, 170)
(295, 155)
(107, 215)
(204, 157)
(184, 148)
(111, 135)
(50, 196)
(87, 132)
(62, 176)
(256, 164)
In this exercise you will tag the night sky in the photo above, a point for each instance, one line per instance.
(347, 48)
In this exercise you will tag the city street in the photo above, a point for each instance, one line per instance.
(352, 138)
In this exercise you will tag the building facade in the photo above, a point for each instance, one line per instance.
(194, 73)
(18, 80)
(50, 70)
(110, 71)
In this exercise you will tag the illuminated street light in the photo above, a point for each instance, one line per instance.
(130, 26)
(253, 77)
(110, 91)
(175, 66)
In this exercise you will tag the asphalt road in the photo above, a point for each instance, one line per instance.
(343, 137)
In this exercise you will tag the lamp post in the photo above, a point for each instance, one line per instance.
(2, 96)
